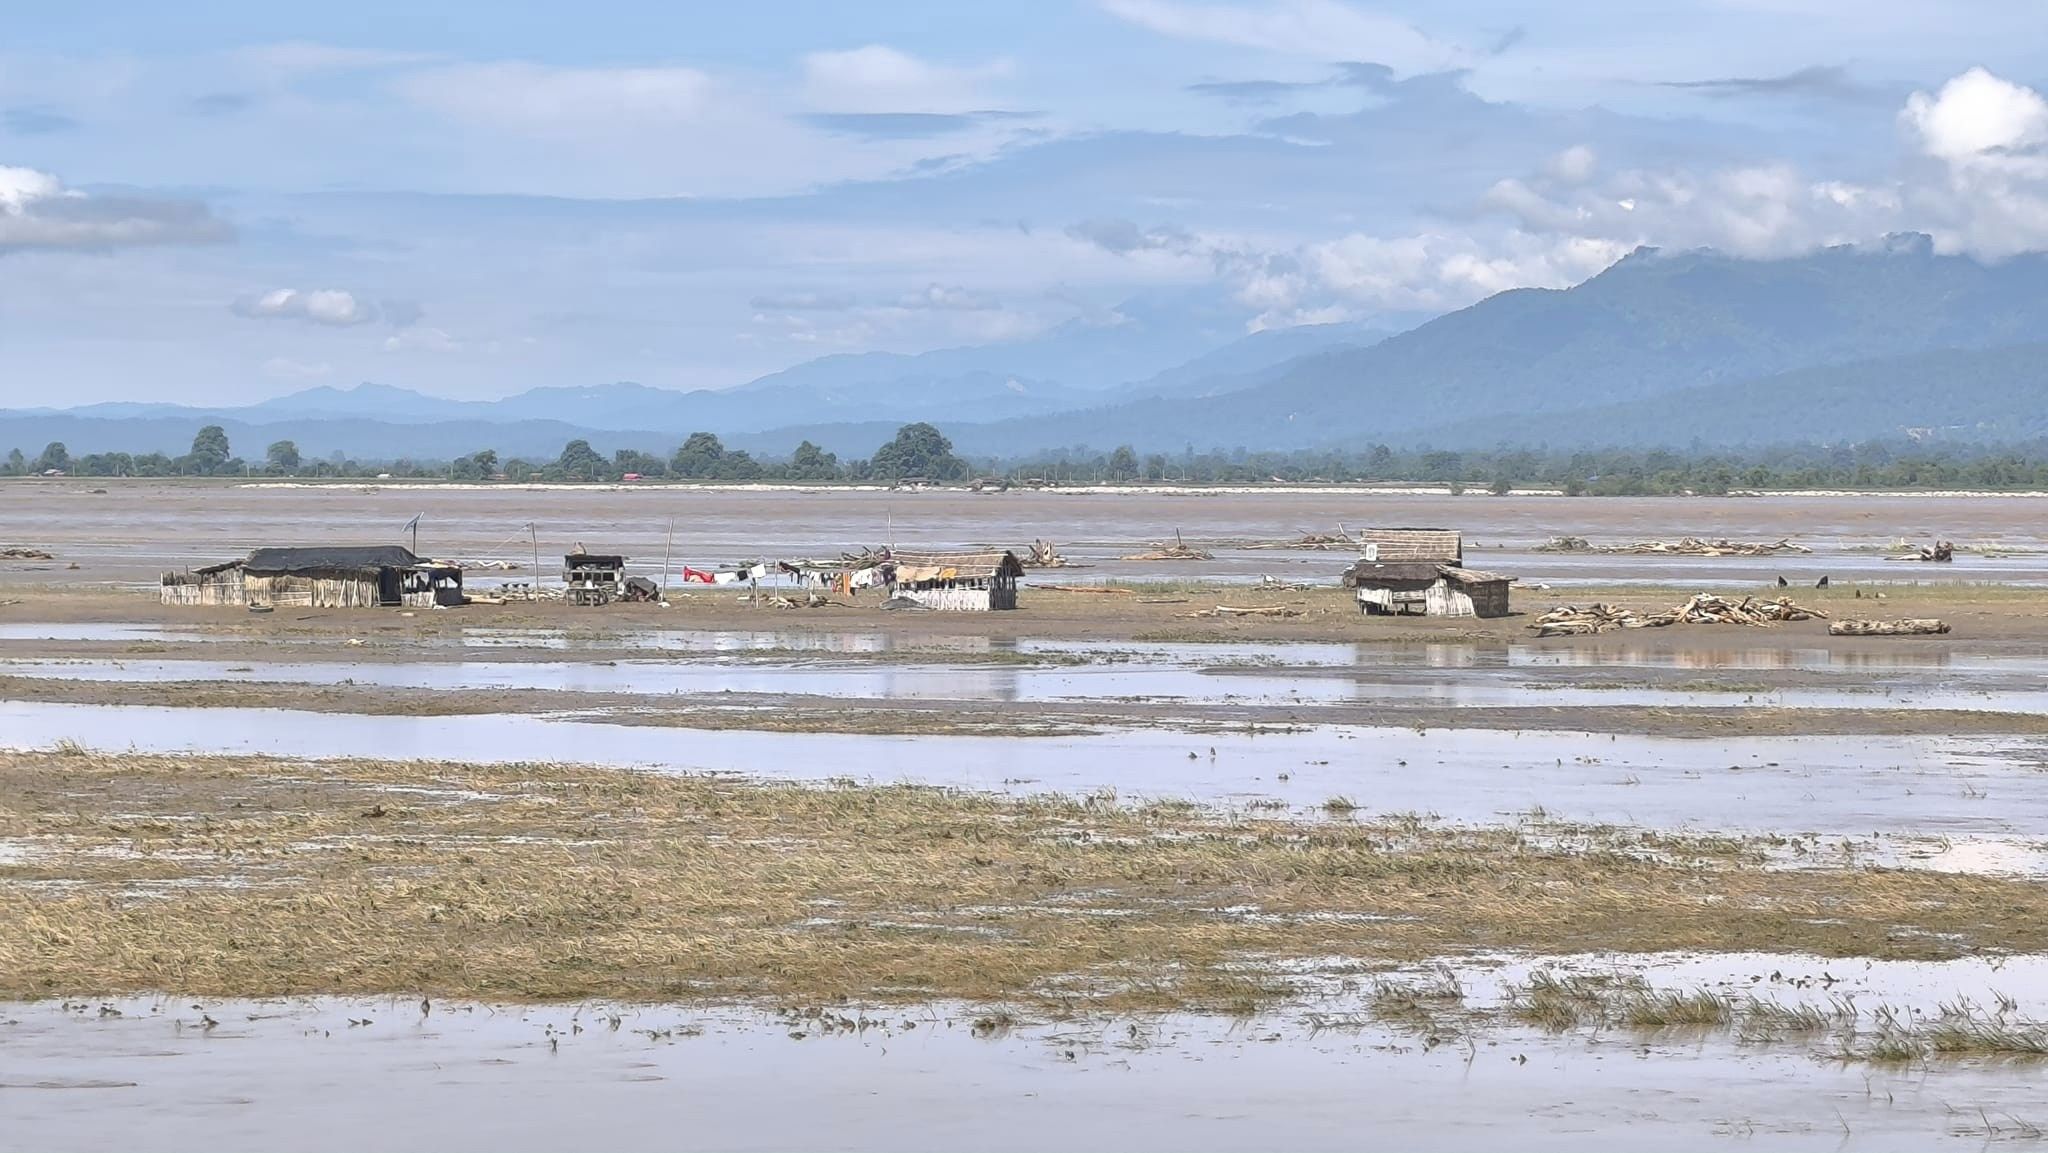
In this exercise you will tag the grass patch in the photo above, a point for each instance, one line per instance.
(252, 876)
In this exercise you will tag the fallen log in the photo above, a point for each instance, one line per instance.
(1104, 589)
(1233, 611)
(1910, 627)
(1178, 550)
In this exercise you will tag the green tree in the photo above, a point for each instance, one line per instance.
(809, 462)
(700, 456)
(1123, 464)
(209, 450)
(56, 456)
(282, 457)
(17, 464)
(579, 461)
(918, 450)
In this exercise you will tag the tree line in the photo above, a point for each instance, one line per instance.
(921, 451)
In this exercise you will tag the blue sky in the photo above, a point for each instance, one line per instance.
(224, 201)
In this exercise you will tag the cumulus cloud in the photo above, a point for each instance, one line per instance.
(1314, 29)
(38, 212)
(521, 96)
(878, 78)
(325, 306)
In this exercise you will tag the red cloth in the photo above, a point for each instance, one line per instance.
(694, 576)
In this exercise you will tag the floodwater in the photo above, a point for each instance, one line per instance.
(1224, 674)
(134, 530)
(342, 1074)
(1920, 785)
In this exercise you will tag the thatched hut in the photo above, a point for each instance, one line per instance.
(959, 582)
(366, 576)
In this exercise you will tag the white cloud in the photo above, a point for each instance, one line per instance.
(38, 212)
(327, 306)
(536, 98)
(1314, 29)
(1978, 118)
(422, 339)
(878, 78)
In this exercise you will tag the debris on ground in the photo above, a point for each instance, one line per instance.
(1684, 546)
(1941, 553)
(1267, 611)
(19, 552)
(1318, 541)
(1909, 627)
(1108, 589)
(1271, 583)
(1044, 554)
(1178, 550)
(1700, 609)
(639, 589)
(492, 565)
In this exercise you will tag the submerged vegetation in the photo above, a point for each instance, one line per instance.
(252, 876)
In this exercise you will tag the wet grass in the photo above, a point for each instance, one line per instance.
(253, 876)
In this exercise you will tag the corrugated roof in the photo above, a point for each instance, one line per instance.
(1443, 545)
(912, 567)
(1369, 572)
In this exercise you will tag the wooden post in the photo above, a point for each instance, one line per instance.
(667, 554)
(534, 533)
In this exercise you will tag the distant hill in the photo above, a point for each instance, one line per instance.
(1660, 349)
(1969, 395)
(1653, 324)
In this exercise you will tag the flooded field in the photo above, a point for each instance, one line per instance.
(1103, 870)
(132, 530)
(147, 1074)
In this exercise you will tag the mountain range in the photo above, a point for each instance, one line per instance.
(1661, 349)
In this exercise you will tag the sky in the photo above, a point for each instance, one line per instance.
(220, 202)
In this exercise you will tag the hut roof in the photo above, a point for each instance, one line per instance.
(1442, 545)
(594, 560)
(346, 559)
(945, 566)
(1472, 576)
(1367, 572)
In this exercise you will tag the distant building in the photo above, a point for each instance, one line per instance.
(1423, 569)
(345, 576)
(957, 582)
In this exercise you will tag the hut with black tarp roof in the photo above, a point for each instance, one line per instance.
(323, 576)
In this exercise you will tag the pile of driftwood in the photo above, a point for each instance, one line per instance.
(1178, 550)
(1267, 611)
(1309, 541)
(1685, 546)
(18, 552)
(1700, 609)
(1911, 627)
(1044, 554)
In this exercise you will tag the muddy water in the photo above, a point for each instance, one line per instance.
(1933, 785)
(132, 531)
(340, 1074)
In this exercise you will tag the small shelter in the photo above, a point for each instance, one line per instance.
(958, 582)
(335, 576)
(1406, 569)
(594, 578)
